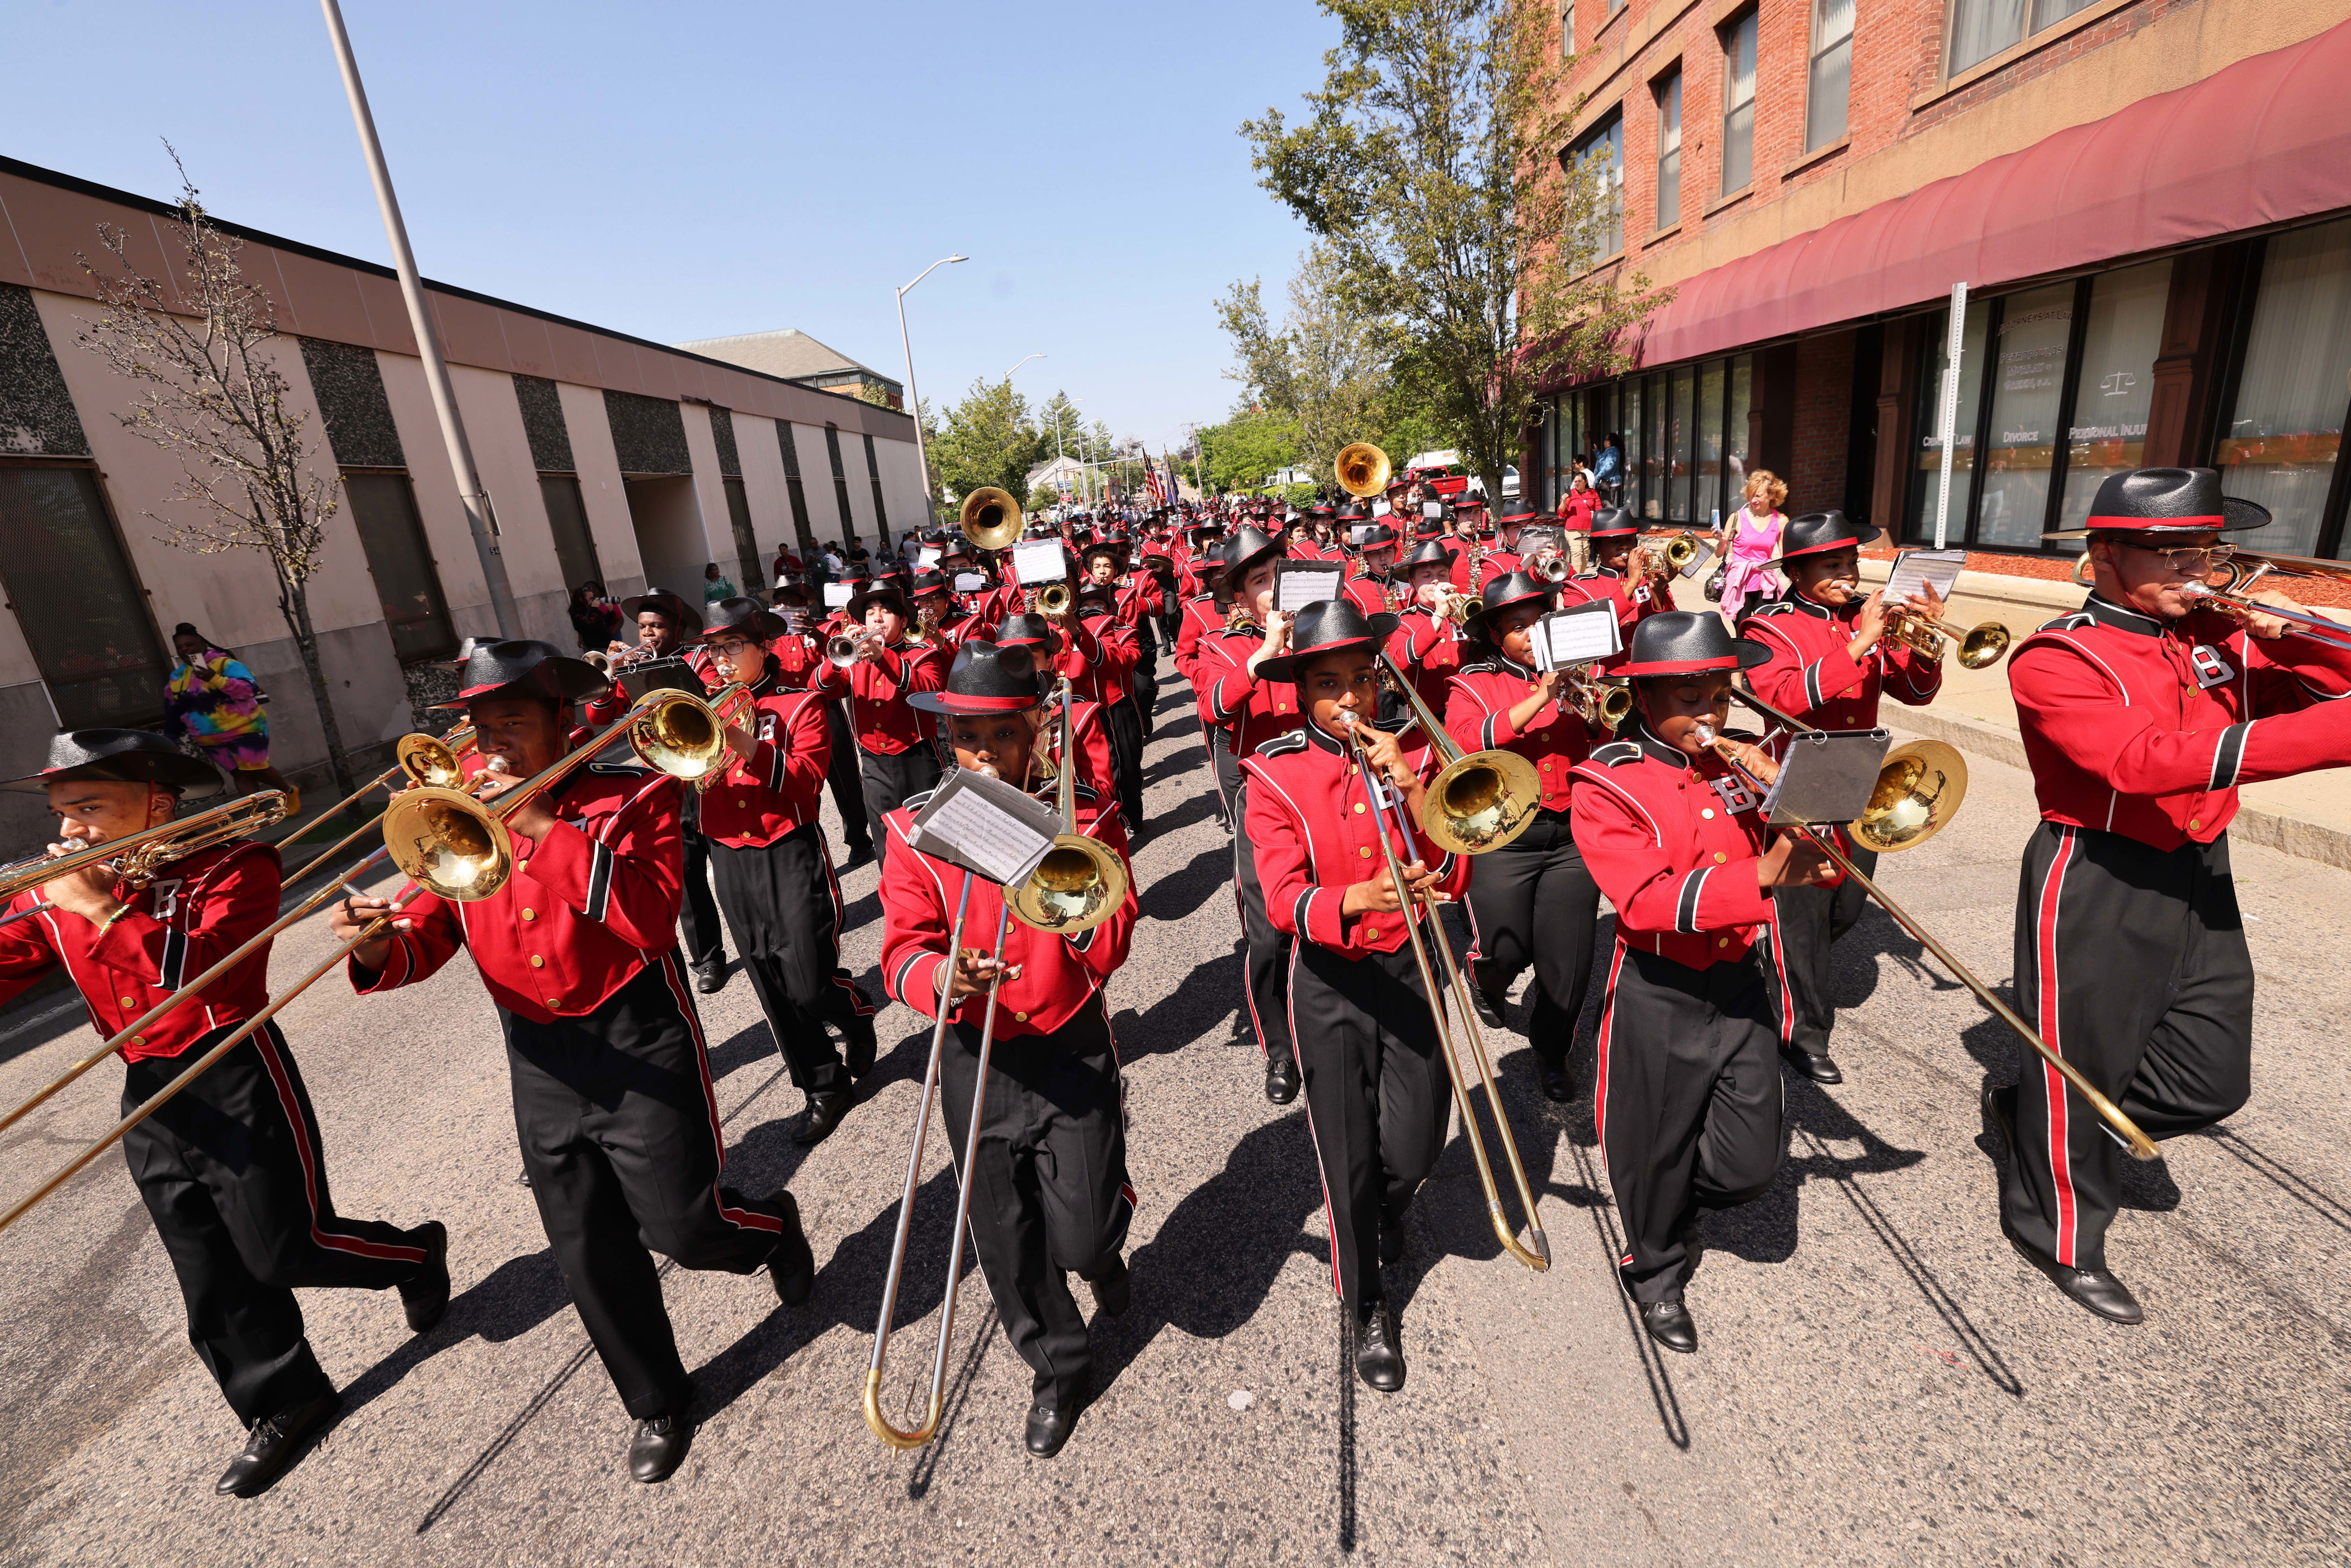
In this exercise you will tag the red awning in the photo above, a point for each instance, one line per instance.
(2266, 141)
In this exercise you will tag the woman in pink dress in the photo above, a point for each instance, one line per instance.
(1754, 538)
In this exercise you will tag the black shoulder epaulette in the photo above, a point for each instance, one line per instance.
(1617, 753)
(1776, 607)
(1482, 667)
(913, 803)
(1081, 790)
(2078, 619)
(1289, 740)
(624, 769)
(1585, 575)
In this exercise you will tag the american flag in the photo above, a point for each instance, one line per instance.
(1157, 484)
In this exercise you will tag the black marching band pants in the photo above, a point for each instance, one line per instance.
(1125, 722)
(1376, 1096)
(841, 777)
(1226, 770)
(1687, 1106)
(619, 1132)
(2131, 964)
(891, 778)
(1267, 958)
(784, 907)
(236, 1177)
(1806, 922)
(697, 913)
(1144, 682)
(1049, 1193)
(1537, 884)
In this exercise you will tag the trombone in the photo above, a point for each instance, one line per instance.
(1081, 882)
(662, 725)
(1918, 790)
(139, 858)
(2230, 598)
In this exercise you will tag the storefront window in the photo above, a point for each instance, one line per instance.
(1709, 441)
(2115, 384)
(2281, 441)
(1631, 430)
(1742, 399)
(1656, 454)
(1682, 424)
(2027, 393)
(1927, 478)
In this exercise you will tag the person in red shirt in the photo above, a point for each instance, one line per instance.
(896, 757)
(233, 1170)
(1428, 643)
(1088, 727)
(1377, 1100)
(1577, 507)
(1687, 1105)
(1375, 588)
(1051, 1193)
(776, 881)
(1830, 662)
(613, 1106)
(1537, 882)
(2142, 715)
(1614, 532)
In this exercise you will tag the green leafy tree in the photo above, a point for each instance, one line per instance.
(1430, 164)
(1245, 450)
(988, 438)
(1327, 369)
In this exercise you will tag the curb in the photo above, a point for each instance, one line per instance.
(2293, 835)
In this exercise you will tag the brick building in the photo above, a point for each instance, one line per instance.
(2146, 199)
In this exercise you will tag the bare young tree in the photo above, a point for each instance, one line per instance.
(1329, 367)
(201, 351)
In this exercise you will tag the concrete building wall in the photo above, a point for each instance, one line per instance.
(901, 485)
(601, 490)
(816, 481)
(762, 486)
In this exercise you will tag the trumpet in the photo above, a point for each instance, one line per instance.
(846, 648)
(1918, 790)
(1663, 555)
(1547, 565)
(1052, 602)
(1980, 646)
(1602, 705)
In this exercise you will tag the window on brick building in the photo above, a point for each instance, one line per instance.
(1982, 28)
(2280, 439)
(1669, 150)
(1828, 83)
(1614, 6)
(1599, 153)
(1738, 104)
(1567, 30)
(2113, 383)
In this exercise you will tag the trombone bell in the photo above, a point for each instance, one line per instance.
(1481, 802)
(1919, 787)
(448, 844)
(1078, 885)
(1362, 469)
(682, 737)
(991, 518)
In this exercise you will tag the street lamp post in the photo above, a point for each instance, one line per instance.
(922, 451)
(1018, 363)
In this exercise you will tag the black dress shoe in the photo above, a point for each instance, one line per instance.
(273, 1445)
(1048, 1428)
(1999, 1113)
(859, 854)
(1669, 1324)
(825, 1111)
(861, 1046)
(1379, 1356)
(1114, 1292)
(2099, 1291)
(1555, 1086)
(659, 1447)
(1819, 1068)
(1489, 1006)
(1282, 1079)
(710, 977)
(426, 1297)
(1391, 1241)
(792, 1265)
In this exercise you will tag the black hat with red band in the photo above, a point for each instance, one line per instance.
(1519, 515)
(1326, 626)
(749, 616)
(2159, 501)
(1511, 587)
(1815, 533)
(123, 757)
(524, 668)
(1246, 548)
(1614, 523)
(685, 617)
(1024, 630)
(987, 677)
(881, 590)
(1685, 641)
(1433, 552)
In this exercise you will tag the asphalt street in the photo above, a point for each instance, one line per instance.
(1880, 1380)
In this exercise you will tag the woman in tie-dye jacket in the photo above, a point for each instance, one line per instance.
(214, 701)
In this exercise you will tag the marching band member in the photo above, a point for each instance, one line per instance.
(895, 757)
(1245, 709)
(1504, 558)
(1427, 644)
(612, 1087)
(1537, 882)
(1051, 1194)
(1688, 1104)
(1614, 532)
(232, 1171)
(1374, 587)
(776, 881)
(2142, 715)
(1831, 659)
(1111, 683)
(1089, 728)
(1376, 1100)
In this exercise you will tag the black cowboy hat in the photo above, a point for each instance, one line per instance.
(1614, 523)
(124, 756)
(524, 667)
(1521, 515)
(1022, 629)
(687, 616)
(1814, 532)
(987, 677)
(1355, 512)
(930, 579)
(1323, 627)
(1467, 503)
(1510, 588)
(748, 616)
(886, 589)
(792, 594)
(1431, 528)
(1246, 548)
(1320, 510)
(1434, 551)
(1115, 546)
(1683, 641)
(2165, 501)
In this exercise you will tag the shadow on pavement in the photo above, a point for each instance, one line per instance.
(1172, 896)
(1208, 992)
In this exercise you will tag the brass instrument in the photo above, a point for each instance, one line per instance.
(1237, 615)
(1602, 705)
(846, 648)
(1457, 786)
(1081, 882)
(2238, 606)
(1663, 555)
(1362, 469)
(1919, 787)
(1980, 646)
(990, 518)
(138, 858)
(1052, 601)
(1547, 565)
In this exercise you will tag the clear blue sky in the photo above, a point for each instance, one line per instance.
(690, 171)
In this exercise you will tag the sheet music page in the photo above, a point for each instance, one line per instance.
(987, 825)
(1580, 635)
(1913, 566)
(1038, 560)
(1299, 583)
(969, 582)
(836, 594)
(928, 556)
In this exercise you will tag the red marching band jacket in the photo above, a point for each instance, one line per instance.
(177, 926)
(1108, 674)
(1812, 676)
(879, 715)
(1478, 716)
(1059, 975)
(1139, 595)
(1201, 617)
(1430, 651)
(1312, 830)
(587, 908)
(1635, 602)
(775, 791)
(1673, 841)
(2144, 728)
(1232, 699)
